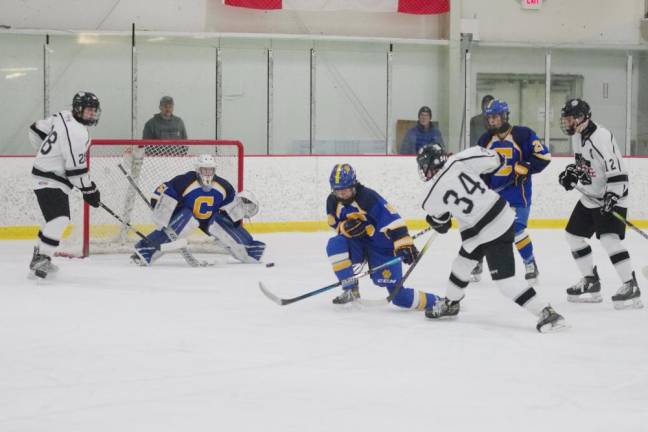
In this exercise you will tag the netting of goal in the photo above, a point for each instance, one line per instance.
(150, 163)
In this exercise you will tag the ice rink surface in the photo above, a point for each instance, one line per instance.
(107, 346)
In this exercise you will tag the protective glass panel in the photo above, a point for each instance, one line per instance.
(419, 78)
(185, 69)
(351, 99)
(640, 104)
(99, 64)
(21, 87)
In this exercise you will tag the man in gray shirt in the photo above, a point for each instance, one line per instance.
(478, 122)
(165, 125)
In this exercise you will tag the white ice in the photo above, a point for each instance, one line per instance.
(107, 346)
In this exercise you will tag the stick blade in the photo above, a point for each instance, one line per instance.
(270, 295)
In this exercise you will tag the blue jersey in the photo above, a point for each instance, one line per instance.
(382, 222)
(186, 189)
(518, 144)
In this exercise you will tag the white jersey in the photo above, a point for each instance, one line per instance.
(597, 152)
(459, 190)
(62, 144)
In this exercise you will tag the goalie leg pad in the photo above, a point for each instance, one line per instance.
(237, 240)
(183, 223)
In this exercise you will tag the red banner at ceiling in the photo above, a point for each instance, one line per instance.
(418, 7)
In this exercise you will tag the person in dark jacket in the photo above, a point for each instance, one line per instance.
(422, 134)
(165, 125)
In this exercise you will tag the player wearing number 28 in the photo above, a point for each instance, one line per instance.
(524, 155)
(60, 165)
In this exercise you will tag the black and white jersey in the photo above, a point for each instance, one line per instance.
(459, 190)
(596, 151)
(62, 144)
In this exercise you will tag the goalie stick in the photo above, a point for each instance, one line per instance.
(286, 301)
(635, 228)
(184, 252)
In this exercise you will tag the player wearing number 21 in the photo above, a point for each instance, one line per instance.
(524, 155)
(60, 165)
(485, 225)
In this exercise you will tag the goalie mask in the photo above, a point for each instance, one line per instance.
(205, 170)
(430, 160)
(80, 102)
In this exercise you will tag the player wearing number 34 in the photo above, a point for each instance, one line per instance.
(485, 225)
(60, 165)
(201, 199)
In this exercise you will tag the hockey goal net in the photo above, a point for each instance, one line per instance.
(150, 163)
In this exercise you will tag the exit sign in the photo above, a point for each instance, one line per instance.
(531, 4)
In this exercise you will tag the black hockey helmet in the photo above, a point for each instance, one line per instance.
(84, 100)
(576, 108)
(579, 110)
(430, 159)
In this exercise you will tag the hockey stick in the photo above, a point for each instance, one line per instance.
(184, 252)
(401, 282)
(644, 270)
(286, 301)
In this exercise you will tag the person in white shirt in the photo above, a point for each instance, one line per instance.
(485, 224)
(61, 165)
(603, 178)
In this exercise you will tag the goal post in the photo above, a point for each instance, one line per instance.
(150, 163)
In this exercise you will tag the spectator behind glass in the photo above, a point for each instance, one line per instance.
(478, 123)
(422, 134)
(165, 125)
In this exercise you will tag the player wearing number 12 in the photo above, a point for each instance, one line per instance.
(60, 165)
(524, 155)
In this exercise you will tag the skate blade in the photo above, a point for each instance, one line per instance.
(584, 298)
(554, 327)
(634, 303)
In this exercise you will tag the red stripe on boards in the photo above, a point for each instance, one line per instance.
(255, 4)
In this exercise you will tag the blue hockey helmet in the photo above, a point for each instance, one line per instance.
(498, 107)
(343, 176)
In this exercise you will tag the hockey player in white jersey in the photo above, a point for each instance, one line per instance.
(485, 224)
(60, 165)
(603, 179)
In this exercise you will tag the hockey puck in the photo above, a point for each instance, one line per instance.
(270, 264)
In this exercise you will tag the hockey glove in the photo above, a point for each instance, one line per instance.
(91, 195)
(441, 224)
(521, 170)
(610, 200)
(569, 177)
(404, 248)
(353, 228)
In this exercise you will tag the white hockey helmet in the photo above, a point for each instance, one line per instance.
(205, 170)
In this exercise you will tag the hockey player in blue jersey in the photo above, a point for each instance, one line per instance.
(369, 229)
(201, 199)
(524, 156)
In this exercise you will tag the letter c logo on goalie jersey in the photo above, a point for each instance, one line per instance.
(198, 209)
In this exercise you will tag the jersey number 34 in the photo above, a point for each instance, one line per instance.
(470, 185)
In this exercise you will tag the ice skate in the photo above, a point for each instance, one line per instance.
(41, 265)
(587, 290)
(350, 292)
(443, 308)
(550, 321)
(475, 275)
(627, 297)
(531, 272)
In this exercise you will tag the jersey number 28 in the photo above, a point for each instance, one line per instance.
(470, 185)
(47, 144)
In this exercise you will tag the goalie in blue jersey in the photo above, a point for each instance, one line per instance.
(201, 199)
(524, 155)
(369, 229)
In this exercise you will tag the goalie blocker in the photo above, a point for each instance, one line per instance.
(201, 199)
